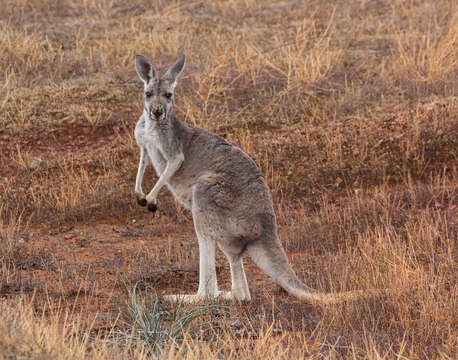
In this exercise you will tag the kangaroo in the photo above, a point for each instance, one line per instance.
(221, 185)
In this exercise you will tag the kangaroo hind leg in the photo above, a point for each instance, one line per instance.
(208, 285)
(239, 287)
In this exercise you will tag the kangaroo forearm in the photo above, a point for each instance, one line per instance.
(140, 173)
(170, 169)
(139, 179)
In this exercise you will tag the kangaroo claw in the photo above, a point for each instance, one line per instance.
(152, 207)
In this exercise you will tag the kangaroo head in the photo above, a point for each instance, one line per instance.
(158, 97)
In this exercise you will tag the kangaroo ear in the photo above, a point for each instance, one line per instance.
(144, 68)
(175, 71)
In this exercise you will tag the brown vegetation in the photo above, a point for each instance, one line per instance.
(349, 109)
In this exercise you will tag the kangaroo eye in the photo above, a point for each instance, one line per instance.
(168, 95)
(148, 94)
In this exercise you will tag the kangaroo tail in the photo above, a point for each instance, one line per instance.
(271, 258)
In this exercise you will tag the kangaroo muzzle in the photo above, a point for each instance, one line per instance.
(157, 112)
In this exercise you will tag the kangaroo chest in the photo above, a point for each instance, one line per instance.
(180, 190)
(157, 159)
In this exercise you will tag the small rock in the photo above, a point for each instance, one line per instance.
(126, 232)
(380, 143)
(235, 323)
(34, 162)
(25, 237)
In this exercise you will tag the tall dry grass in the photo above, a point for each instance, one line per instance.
(348, 107)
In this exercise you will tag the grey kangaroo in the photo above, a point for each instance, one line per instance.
(221, 185)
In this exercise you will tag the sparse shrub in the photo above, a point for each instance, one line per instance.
(157, 326)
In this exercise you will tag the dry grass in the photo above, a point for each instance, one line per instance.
(350, 110)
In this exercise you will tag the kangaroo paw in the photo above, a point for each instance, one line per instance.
(141, 202)
(152, 207)
(231, 295)
(182, 298)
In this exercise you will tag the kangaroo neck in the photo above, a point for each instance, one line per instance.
(161, 127)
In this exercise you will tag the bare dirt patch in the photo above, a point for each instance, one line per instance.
(349, 109)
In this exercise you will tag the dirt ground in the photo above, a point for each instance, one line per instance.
(349, 109)
(88, 265)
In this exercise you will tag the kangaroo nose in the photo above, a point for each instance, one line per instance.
(158, 112)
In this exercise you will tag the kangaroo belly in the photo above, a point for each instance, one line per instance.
(183, 196)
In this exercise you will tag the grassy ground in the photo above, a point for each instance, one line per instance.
(348, 107)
